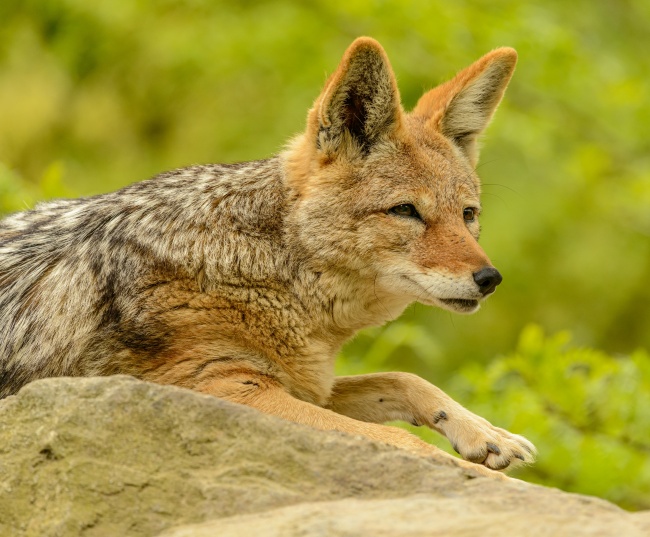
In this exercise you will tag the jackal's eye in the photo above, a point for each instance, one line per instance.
(405, 209)
(469, 214)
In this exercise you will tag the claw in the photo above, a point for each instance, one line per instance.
(493, 448)
(478, 458)
(442, 415)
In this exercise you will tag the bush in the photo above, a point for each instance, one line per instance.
(587, 412)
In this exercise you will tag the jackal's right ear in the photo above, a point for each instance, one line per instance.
(360, 102)
(461, 108)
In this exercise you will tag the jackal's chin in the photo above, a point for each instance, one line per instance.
(459, 305)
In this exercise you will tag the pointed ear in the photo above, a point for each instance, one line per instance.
(461, 108)
(360, 103)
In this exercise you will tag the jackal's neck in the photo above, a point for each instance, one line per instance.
(342, 303)
(343, 296)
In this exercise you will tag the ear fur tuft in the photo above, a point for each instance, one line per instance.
(462, 108)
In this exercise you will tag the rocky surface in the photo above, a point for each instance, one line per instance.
(118, 457)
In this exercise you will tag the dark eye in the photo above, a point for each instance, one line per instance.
(405, 209)
(469, 214)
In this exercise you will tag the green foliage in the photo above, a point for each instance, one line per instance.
(587, 412)
(96, 95)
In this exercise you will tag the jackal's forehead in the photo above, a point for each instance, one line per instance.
(436, 153)
(423, 165)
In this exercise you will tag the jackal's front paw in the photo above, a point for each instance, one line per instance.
(478, 441)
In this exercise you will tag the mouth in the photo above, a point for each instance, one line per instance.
(460, 305)
(457, 305)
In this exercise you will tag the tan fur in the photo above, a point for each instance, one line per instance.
(243, 281)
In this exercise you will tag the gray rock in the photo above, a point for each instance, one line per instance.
(415, 516)
(119, 457)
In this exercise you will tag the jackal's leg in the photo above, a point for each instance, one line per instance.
(267, 395)
(382, 397)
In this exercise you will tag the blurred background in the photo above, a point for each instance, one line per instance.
(96, 95)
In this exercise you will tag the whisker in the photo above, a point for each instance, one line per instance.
(503, 186)
(483, 163)
(495, 196)
(374, 290)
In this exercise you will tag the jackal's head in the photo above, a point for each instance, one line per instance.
(392, 197)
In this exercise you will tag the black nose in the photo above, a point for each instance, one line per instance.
(487, 280)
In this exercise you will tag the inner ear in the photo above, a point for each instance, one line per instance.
(354, 115)
(360, 103)
(463, 139)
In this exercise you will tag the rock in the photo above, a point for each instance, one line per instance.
(414, 516)
(118, 457)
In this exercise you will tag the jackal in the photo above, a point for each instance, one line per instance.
(243, 281)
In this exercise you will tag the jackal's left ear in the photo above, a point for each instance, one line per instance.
(461, 108)
(360, 102)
